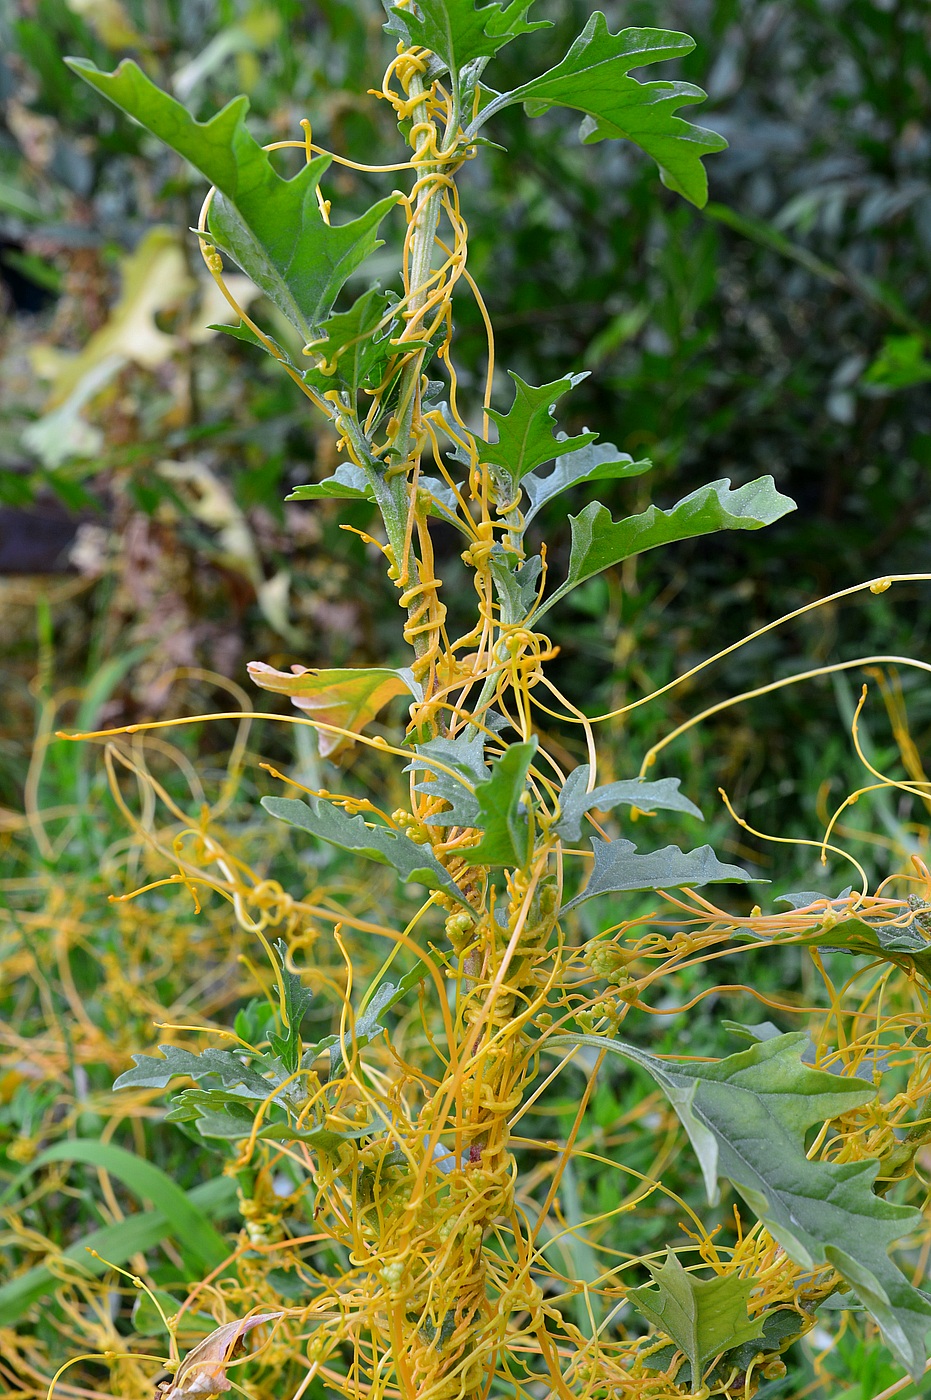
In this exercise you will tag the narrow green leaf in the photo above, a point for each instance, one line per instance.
(503, 812)
(200, 1242)
(115, 1244)
(702, 1316)
(248, 336)
(328, 823)
(594, 78)
(598, 542)
(315, 1136)
(768, 236)
(13, 200)
(298, 999)
(368, 1025)
(525, 432)
(457, 32)
(905, 944)
(747, 1116)
(271, 226)
(216, 1113)
(620, 866)
(348, 483)
(575, 800)
(599, 461)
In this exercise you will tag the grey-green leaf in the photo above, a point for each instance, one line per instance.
(466, 758)
(575, 800)
(598, 461)
(348, 483)
(593, 78)
(379, 843)
(598, 542)
(271, 226)
(905, 944)
(619, 866)
(747, 1116)
(516, 583)
(152, 1073)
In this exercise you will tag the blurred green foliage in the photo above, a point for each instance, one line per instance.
(784, 329)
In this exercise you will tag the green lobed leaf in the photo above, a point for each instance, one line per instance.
(780, 1326)
(747, 1116)
(215, 1113)
(354, 347)
(575, 800)
(620, 866)
(702, 1316)
(350, 352)
(327, 1139)
(599, 461)
(271, 226)
(115, 1244)
(502, 813)
(598, 542)
(379, 843)
(466, 757)
(594, 78)
(457, 32)
(525, 432)
(226, 1065)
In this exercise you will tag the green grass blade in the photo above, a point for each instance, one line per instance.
(115, 1244)
(201, 1244)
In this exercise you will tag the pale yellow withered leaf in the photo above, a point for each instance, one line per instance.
(202, 1373)
(349, 699)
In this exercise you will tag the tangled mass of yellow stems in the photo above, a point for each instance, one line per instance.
(444, 1255)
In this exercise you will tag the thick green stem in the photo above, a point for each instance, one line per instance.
(425, 221)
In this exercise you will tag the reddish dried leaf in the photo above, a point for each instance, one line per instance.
(203, 1371)
(346, 698)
